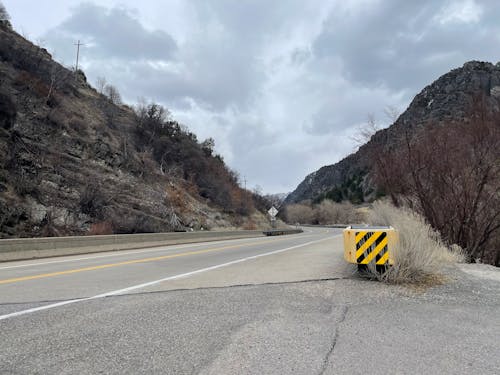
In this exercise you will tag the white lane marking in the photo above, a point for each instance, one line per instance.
(147, 250)
(150, 283)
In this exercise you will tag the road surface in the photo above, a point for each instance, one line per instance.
(284, 305)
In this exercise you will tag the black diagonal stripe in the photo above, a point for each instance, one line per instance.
(365, 238)
(382, 253)
(377, 242)
(372, 247)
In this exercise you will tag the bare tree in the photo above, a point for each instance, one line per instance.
(450, 173)
(365, 131)
(58, 76)
(101, 84)
(113, 94)
(299, 213)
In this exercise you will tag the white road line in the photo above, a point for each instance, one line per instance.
(121, 253)
(140, 286)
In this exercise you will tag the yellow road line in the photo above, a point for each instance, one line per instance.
(144, 260)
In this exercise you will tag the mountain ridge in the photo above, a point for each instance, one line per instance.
(446, 99)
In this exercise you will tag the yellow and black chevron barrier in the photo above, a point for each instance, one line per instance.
(364, 244)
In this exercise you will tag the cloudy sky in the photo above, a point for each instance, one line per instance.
(280, 85)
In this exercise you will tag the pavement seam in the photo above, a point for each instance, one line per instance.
(235, 286)
(184, 289)
(328, 356)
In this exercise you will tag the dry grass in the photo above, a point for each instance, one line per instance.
(420, 255)
(103, 227)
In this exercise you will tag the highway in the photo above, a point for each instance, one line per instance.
(266, 305)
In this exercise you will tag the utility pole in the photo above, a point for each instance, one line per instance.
(245, 191)
(77, 53)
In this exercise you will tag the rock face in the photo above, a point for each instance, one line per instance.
(72, 160)
(446, 100)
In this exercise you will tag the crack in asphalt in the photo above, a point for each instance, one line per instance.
(186, 289)
(326, 361)
(249, 285)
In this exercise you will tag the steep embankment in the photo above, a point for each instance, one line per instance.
(73, 160)
(447, 100)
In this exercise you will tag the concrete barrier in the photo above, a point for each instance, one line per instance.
(33, 248)
(282, 232)
(325, 226)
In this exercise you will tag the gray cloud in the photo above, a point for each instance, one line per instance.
(280, 85)
(114, 33)
(403, 44)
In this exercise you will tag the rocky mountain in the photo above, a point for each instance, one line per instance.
(446, 100)
(74, 160)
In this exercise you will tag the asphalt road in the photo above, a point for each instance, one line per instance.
(285, 305)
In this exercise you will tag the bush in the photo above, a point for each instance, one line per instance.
(449, 172)
(420, 254)
(325, 213)
(26, 184)
(137, 223)
(103, 227)
(299, 213)
(328, 212)
(92, 201)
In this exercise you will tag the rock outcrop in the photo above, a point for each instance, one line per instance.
(447, 100)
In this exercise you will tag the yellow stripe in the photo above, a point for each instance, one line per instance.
(368, 243)
(144, 260)
(375, 251)
(359, 236)
(384, 258)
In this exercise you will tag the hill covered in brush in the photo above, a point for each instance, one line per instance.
(75, 160)
(441, 157)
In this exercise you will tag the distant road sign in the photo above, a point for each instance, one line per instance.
(273, 211)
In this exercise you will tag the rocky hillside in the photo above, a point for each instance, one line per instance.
(74, 160)
(447, 100)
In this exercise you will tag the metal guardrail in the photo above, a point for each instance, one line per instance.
(324, 226)
(32, 248)
(281, 232)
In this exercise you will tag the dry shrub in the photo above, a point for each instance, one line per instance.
(450, 173)
(420, 254)
(137, 223)
(329, 212)
(299, 213)
(325, 213)
(93, 200)
(103, 227)
(249, 225)
(78, 125)
(58, 119)
(176, 197)
(26, 184)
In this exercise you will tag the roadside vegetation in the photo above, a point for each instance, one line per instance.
(325, 213)
(450, 174)
(421, 255)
